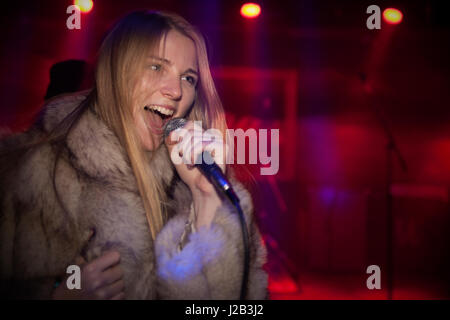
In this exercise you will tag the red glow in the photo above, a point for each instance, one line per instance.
(250, 10)
(392, 16)
(84, 5)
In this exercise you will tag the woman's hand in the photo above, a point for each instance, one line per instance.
(185, 145)
(101, 278)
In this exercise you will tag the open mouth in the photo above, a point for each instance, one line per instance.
(163, 113)
(156, 118)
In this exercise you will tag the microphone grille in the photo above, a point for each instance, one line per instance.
(172, 125)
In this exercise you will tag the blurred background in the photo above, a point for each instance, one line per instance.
(363, 117)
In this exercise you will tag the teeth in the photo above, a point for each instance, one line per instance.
(164, 111)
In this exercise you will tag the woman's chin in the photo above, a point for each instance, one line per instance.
(152, 143)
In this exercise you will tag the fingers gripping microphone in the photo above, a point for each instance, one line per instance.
(207, 166)
(215, 175)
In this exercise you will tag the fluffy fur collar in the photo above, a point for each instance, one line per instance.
(96, 150)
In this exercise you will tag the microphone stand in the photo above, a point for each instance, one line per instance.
(392, 151)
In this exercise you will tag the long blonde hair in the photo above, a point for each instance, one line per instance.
(120, 61)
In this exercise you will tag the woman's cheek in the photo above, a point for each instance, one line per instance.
(190, 102)
(141, 90)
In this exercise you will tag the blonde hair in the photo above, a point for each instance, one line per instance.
(120, 61)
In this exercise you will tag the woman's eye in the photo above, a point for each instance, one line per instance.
(156, 67)
(189, 79)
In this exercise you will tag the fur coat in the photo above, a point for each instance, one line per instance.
(95, 183)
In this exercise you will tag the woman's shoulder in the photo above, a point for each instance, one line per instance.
(52, 112)
(14, 146)
(57, 108)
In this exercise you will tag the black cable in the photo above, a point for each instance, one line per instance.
(215, 175)
(246, 250)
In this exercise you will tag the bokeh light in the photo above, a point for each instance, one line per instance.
(392, 16)
(250, 10)
(84, 5)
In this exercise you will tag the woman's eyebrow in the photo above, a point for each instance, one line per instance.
(190, 70)
(160, 59)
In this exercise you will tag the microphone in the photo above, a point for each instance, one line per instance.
(207, 166)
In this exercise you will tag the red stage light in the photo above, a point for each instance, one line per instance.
(84, 5)
(250, 10)
(392, 16)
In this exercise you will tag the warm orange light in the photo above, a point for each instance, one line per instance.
(84, 5)
(250, 10)
(392, 16)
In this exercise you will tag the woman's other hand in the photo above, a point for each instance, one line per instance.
(101, 279)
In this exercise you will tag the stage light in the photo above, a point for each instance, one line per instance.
(250, 10)
(392, 16)
(84, 5)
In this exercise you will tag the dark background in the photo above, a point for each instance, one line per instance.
(313, 70)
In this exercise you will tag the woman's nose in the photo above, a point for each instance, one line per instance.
(171, 88)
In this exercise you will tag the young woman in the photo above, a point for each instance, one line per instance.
(92, 182)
